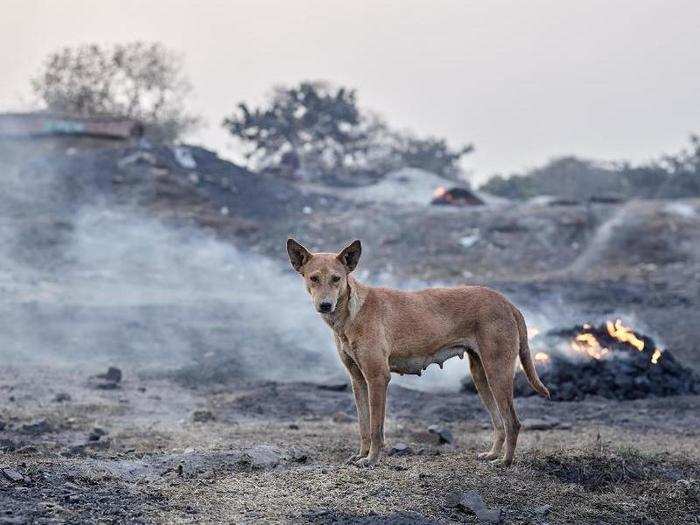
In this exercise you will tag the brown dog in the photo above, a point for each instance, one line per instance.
(380, 330)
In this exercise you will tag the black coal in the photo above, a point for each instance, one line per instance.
(623, 372)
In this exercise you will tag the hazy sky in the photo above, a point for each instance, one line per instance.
(523, 80)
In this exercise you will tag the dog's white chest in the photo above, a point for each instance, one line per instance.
(416, 364)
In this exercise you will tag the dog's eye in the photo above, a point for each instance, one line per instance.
(314, 278)
(335, 278)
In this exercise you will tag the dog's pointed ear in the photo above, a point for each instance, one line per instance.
(350, 255)
(298, 255)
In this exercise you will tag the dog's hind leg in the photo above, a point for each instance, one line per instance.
(500, 370)
(482, 387)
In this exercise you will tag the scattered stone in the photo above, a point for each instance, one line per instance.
(139, 157)
(342, 417)
(113, 375)
(295, 455)
(13, 475)
(61, 397)
(471, 501)
(260, 457)
(543, 511)
(539, 424)
(107, 385)
(443, 434)
(202, 416)
(400, 449)
(334, 387)
(36, 428)
(27, 449)
(96, 434)
(7, 445)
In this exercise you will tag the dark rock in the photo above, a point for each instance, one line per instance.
(293, 426)
(27, 449)
(13, 475)
(471, 501)
(2, 425)
(295, 455)
(260, 457)
(61, 397)
(400, 449)
(107, 385)
(7, 445)
(36, 428)
(539, 424)
(333, 387)
(96, 434)
(203, 416)
(113, 375)
(443, 434)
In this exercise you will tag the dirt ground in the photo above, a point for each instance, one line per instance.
(126, 258)
(274, 452)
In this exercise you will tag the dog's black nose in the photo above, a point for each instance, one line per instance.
(325, 307)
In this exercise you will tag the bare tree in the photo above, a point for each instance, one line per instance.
(136, 80)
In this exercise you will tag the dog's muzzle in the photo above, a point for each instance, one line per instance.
(325, 307)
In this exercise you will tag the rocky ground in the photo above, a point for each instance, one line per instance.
(231, 406)
(150, 450)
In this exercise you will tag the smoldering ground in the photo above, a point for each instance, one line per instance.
(215, 418)
(94, 283)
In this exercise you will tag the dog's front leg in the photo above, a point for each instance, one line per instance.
(359, 388)
(377, 384)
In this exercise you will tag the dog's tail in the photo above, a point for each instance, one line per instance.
(526, 358)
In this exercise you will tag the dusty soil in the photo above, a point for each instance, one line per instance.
(192, 433)
(274, 452)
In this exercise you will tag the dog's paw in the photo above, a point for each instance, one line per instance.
(501, 463)
(367, 462)
(486, 456)
(355, 457)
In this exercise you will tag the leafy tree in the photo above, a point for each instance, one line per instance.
(319, 131)
(135, 80)
(673, 176)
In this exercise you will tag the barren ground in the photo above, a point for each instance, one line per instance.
(275, 453)
(210, 441)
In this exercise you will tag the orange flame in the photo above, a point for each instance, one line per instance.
(588, 344)
(541, 357)
(439, 192)
(624, 334)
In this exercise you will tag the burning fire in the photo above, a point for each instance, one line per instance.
(624, 334)
(587, 343)
(532, 331)
(440, 191)
(541, 357)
